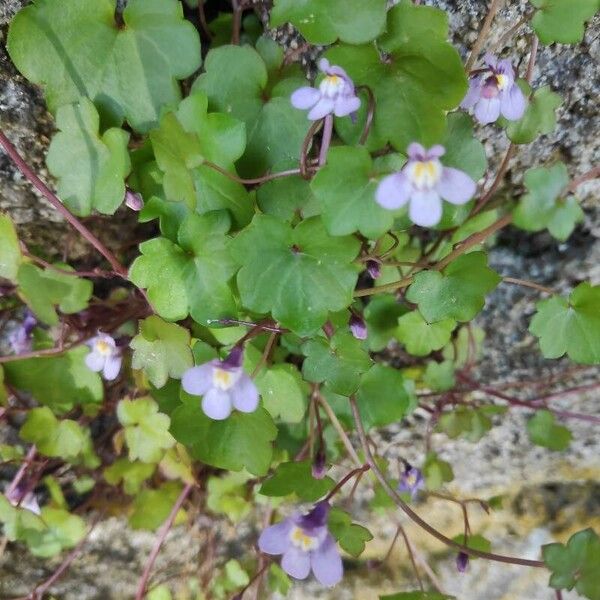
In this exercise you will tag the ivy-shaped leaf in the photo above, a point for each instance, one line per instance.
(44, 290)
(562, 21)
(286, 197)
(543, 431)
(275, 130)
(322, 22)
(345, 188)
(63, 530)
(414, 85)
(132, 474)
(338, 362)
(74, 48)
(298, 275)
(439, 377)
(191, 277)
(283, 392)
(152, 507)
(10, 252)
(90, 168)
(539, 117)
(162, 350)
(463, 150)
(570, 326)
(296, 478)
(544, 206)
(458, 292)
(421, 337)
(351, 537)
(436, 471)
(382, 397)
(243, 440)
(146, 430)
(575, 565)
(227, 496)
(470, 423)
(60, 382)
(381, 315)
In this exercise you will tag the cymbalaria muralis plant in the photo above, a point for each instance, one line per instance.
(313, 256)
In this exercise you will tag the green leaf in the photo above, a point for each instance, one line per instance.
(296, 478)
(543, 431)
(338, 362)
(436, 471)
(471, 423)
(191, 277)
(90, 168)
(63, 530)
(421, 337)
(575, 565)
(463, 150)
(286, 197)
(458, 292)
(351, 537)
(279, 581)
(45, 290)
(352, 21)
(544, 206)
(421, 78)
(298, 275)
(562, 21)
(152, 507)
(539, 117)
(227, 496)
(382, 397)
(283, 392)
(345, 188)
(381, 316)
(275, 130)
(243, 440)
(76, 49)
(60, 382)
(570, 326)
(10, 252)
(132, 474)
(146, 430)
(476, 542)
(162, 350)
(439, 377)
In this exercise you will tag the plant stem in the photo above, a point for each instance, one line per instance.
(59, 206)
(495, 6)
(166, 526)
(588, 176)
(256, 180)
(414, 516)
(535, 43)
(344, 480)
(326, 139)
(412, 557)
(510, 152)
(529, 284)
(340, 430)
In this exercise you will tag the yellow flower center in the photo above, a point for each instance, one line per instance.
(223, 379)
(331, 86)
(303, 541)
(502, 81)
(425, 174)
(411, 480)
(103, 348)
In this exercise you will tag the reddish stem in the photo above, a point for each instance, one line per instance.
(344, 480)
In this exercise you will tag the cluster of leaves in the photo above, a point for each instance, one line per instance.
(231, 246)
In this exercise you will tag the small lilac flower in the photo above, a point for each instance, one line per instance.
(224, 386)
(105, 356)
(422, 183)
(493, 91)
(462, 561)
(133, 200)
(373, 269)
(335, 94)
(411, 481)
(24, 499)
(358, 327)
(20, 340)
(306, 544)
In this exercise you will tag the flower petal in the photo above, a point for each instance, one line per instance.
(216, 404)
(276, 538)
(323, 65)
(513, 103)
(393, 191)
(487, 110)
(244, 394)
(198, 380)
(416, 151)
(326, 563)
(112, 366)
(456, 186)
(296, 563)
(473, 94)
(505, 67)
(95, 361)
(346, 105)
(322, 108)
(435, 152)
(490, 60)
(425, 208)
(305, 97)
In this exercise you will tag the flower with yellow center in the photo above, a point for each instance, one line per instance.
(303, 541)
(424, 174)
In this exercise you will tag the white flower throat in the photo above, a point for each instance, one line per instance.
(303, 541)
(103, 348)
(224, 379)
(332, 86)
(424, 174)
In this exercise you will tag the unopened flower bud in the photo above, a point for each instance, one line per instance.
(373, 269)
(462, 561)
(358, 327)
(319, 465)
(134, 200)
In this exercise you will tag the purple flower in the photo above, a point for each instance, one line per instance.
(104, 356)
(411, 481)
(358, 327)
(493, 90)
(19, 496)
(462, 561)
(373, 269)
(319, 464)
(335, 94)
(133, 200)
(20, 340)
(305, 543)
(224, 386)
(422, 183)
